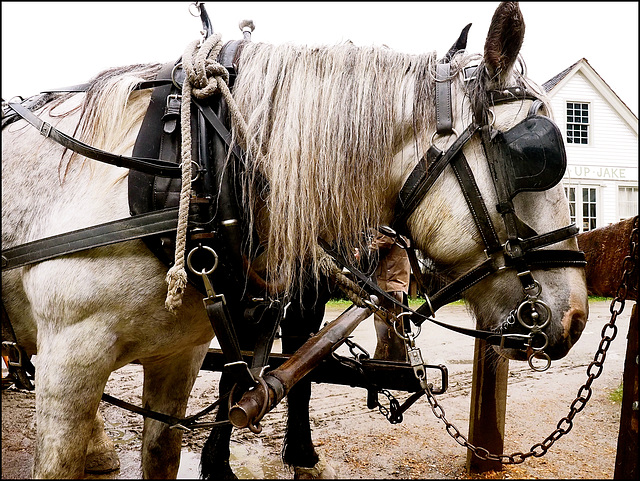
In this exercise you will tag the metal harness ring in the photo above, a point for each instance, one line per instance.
(203, 272)
(455, 132)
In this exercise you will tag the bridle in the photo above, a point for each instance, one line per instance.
(510, 156)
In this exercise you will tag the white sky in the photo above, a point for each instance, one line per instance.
(56, 44)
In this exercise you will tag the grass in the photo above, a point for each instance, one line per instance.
(413, 303)
(616, 395)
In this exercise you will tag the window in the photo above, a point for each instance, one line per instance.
(588, 208)
(583, 206)
(627, 202)
(577, 123)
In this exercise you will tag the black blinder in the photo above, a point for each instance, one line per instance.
(536, 158)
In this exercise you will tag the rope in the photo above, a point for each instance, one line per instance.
(353, 292)
(204, 77)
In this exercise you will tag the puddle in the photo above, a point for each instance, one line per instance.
(245, 461)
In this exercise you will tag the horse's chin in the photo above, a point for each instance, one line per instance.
(555, 352)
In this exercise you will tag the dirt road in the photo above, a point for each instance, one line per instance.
(360, 443)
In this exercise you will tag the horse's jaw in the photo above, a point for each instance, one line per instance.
(495, 300)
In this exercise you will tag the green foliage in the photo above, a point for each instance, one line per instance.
(616, 395)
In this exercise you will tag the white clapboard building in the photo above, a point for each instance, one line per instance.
(601, 138)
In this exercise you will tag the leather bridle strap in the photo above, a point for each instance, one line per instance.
(476, 204)
(424, 312)
(424, 176)
(444, 112)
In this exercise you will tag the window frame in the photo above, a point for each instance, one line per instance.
(578, 212)
(587, 125)
(634, 196)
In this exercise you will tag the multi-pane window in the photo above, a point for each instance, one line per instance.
(583, 206)
(588, 208)
(627, 202)
(577, 123)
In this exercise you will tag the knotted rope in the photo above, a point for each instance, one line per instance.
(352, 290)
(204, 77)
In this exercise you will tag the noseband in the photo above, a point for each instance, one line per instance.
(528, 157)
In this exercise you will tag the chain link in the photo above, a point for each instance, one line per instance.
(584, 393)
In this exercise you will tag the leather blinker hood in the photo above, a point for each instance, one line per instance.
(536, 159)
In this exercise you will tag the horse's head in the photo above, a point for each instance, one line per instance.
(334, 132)
(490, 210)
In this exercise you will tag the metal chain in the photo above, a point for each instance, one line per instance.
(584, 393)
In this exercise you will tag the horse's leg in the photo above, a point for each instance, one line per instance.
(101, 452)
(167, 384)
(70, 379)
(214, 462)
(303, 318)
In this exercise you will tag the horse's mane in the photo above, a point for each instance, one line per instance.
(108, 111)
(324, 124)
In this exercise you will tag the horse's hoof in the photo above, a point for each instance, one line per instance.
(102, 459)
(320, 471)
(102, 463)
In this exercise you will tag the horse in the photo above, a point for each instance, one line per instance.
(332, 135)
(606, 248)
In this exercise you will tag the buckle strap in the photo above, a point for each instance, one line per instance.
(548, 238)
(149, 166)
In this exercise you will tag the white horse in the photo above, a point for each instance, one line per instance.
(335, 131)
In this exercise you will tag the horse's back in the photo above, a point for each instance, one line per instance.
(118, 288)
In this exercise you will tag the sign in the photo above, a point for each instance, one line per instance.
(601, 173)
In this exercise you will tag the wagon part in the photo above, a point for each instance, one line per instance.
(277, 383)
(393, 375)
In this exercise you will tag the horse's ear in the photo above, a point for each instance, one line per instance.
(460, 44)
(504, 40)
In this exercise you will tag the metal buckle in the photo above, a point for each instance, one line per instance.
(13, 348)
(45, 129)
(173, 76)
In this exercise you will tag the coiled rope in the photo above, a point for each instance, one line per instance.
(205, 76)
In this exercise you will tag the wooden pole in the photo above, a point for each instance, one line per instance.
(626, 466)
(488, 406)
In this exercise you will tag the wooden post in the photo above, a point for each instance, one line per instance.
(626, 466)
(488, 406)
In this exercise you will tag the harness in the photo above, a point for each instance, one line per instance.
(528, 157)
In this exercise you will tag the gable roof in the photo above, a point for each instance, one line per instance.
(555, 83)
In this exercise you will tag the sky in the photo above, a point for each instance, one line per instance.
(57, 44)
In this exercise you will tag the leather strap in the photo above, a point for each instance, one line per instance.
(475, 202)
(151, 166)
(410, 196)
(444, 115)
(104, 234)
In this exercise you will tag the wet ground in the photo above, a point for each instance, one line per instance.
(360, 443)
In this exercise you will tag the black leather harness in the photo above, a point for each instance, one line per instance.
(154, 178)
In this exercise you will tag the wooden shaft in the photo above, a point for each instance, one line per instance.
(279, 381)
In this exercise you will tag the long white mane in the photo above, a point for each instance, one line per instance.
(325, 123)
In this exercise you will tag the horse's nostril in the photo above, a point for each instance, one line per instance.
(577, 320)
